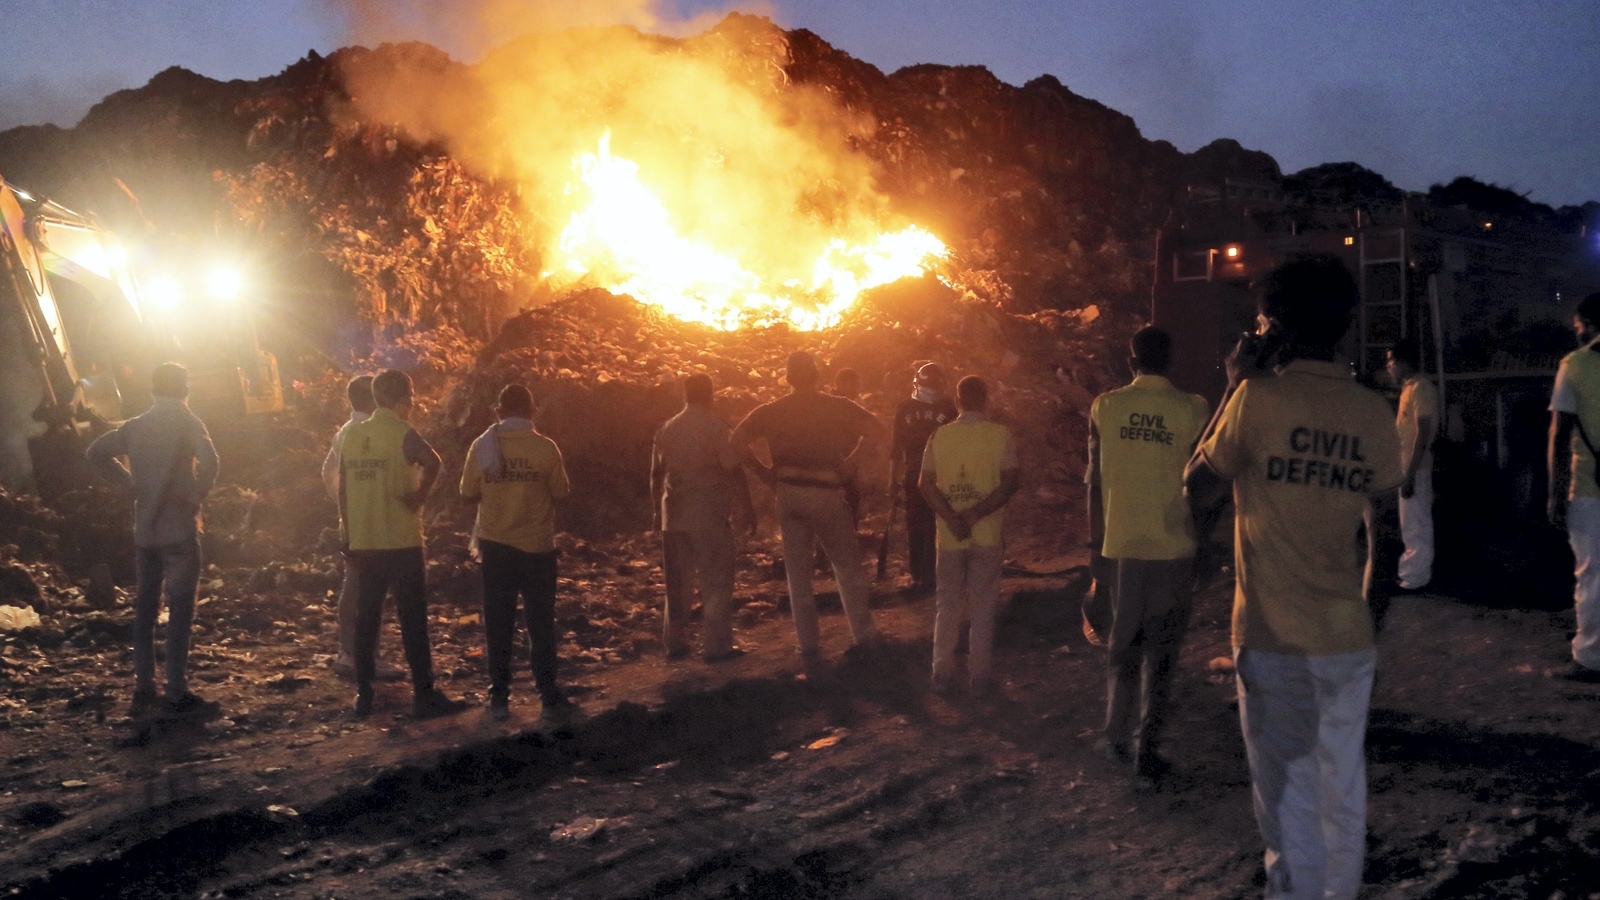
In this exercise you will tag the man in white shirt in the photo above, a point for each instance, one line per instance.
(1418, 423)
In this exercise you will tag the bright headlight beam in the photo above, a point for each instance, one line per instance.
(224, 283)
(164, 293)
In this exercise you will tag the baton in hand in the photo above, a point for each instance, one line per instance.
(883, 545)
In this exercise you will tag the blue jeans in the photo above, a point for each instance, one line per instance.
(177, 568)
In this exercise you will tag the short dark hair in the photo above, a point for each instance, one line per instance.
(1408, 351)
(391, 386)
(847, 379)
(170, 380)
(1152, 349)
(801, 369)
(359, 390)
(697, 388)
(514, 398)
(1589, 309)
(972, 392)
(1311, 298)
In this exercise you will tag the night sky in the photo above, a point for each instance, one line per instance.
(1507, 91)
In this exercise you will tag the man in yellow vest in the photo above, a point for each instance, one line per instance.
(380, 504)
(1574, 494)
(969, 472)
(1306, 449)
(359, 392)
(1140, 438)
(516, 476)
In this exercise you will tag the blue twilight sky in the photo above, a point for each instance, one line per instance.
(1507, 91)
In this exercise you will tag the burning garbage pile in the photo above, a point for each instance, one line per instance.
(599, 258)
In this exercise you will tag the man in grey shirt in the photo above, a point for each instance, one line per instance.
(171, 467)
(695, 482)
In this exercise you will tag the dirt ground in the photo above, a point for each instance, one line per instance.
(745, 779)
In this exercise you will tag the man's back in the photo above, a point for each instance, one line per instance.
(519, 490)
(1145, 433)
(808, 430)
(171, 466)
(1305, 449)
(377, 475)
(693, 449)
(915, 421)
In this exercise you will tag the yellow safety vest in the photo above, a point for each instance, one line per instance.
(966, 461)
(1146, 432)
(375, 477)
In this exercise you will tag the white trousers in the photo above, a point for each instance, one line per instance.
(808, 516)
(1416, 529)
(1305, 723)
(968, 580)
(1583, 531)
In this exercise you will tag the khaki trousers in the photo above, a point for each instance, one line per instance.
(808, 516)
(969, 581)
(705, 555)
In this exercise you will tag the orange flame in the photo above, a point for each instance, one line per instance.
(622, 237)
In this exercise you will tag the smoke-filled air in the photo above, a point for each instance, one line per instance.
(690, 175)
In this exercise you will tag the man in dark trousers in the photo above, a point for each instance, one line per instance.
(386, 470)
(359, 392)
(516, 476)
(1140, 438)
(915, 420)
(171, 467)
(814, 439)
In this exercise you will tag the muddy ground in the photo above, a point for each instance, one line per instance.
(745, 779)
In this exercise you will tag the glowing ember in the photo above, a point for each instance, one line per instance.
(624, 240)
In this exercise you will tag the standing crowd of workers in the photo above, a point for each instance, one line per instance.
(1299, 446)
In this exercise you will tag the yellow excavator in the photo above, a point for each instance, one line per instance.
(79, 334)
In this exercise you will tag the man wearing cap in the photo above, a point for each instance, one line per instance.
(380, 506)
(814, 439)
(171, 467)
(516, 476)
(1140, 438)
(695, 486)
(915, 420)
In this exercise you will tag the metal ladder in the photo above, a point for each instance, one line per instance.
(1382, 313)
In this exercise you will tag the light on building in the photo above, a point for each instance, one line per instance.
(1349, 241)
(1232, 252)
